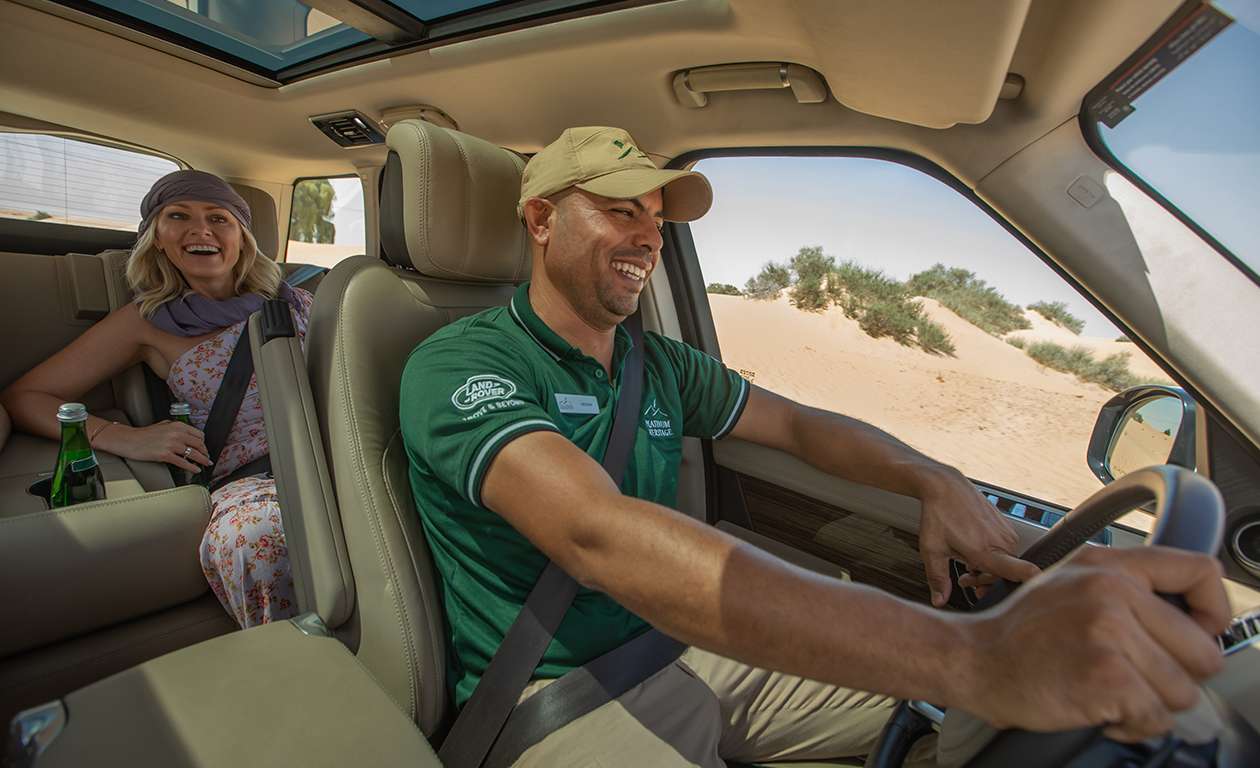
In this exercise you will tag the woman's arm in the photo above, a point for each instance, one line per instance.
(102, 352)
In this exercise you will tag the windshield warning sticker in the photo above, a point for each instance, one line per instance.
(1178, 44)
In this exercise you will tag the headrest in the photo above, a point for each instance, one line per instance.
(448, 205)
(262, 209)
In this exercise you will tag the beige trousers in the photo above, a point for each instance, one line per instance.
(705, 709)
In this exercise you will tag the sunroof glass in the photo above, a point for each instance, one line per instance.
(428, 10)
(271, 34)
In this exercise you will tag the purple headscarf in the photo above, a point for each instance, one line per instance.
(181, 186)
(193, 314)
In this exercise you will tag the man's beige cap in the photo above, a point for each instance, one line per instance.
(607, 162)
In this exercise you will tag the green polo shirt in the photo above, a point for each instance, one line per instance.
(483, 381)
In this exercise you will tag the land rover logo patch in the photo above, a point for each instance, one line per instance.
(482, 388)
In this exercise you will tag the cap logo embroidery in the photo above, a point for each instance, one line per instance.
(619, 144)
(482, 388)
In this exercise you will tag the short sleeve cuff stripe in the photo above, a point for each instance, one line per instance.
(736, 411)
(491, 447)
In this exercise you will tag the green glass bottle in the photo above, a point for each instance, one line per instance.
(78, 475)
(181, 412)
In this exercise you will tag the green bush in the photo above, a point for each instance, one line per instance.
(812, 270)
(724, 289)
(1057, 313)
(854, 287)
(932, 337)
(895, 319)
(970, 298)
(1017, 342)
(881, 305)
(769, 282)
(1111, 372)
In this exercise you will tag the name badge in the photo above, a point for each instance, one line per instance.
(581, 404)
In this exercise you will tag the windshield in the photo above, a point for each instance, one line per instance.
(1183, 117)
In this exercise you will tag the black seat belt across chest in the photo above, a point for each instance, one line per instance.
(480, 725)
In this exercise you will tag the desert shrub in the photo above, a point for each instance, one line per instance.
(970, 298)
(1125, 339)
(854, 287)
(723, 289)
(1057, 313)
(896, 319)
(1017, 342)
(932, 337)
(1111, 372)
(769, 282)
(811, 269)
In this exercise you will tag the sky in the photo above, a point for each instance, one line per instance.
(880, 214)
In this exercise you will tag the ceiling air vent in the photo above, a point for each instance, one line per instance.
(349, 129)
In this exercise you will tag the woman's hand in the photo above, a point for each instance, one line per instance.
(170, 442)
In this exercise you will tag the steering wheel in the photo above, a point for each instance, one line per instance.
(1189, 514)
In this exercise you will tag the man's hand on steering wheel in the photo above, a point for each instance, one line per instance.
(958, 522)
(1090, 642)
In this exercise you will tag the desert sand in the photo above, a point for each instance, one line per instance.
(990, 410)
(325, 255)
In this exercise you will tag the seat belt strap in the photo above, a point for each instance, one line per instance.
(227, 404)
(481, 720)
(582, 691)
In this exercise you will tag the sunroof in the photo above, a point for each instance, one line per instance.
(286, 39)
(270, 34)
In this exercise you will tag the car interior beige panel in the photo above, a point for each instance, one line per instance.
(27, 459)
(263, 222)
(1160, 279)
(659, 300)
(895, 510)
(52, 671)
(69, 73)
(963, 82)
(783, 551)
(110, 550)
(37, 310)
(271, 695)
(312, 525)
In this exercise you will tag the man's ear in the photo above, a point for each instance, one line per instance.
(539, 218)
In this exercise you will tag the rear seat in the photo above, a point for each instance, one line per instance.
(452, 246)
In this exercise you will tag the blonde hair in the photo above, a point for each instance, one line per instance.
(155, 280)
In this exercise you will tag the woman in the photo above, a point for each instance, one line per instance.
(197, 275)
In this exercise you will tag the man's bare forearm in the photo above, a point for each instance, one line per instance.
(733, 599)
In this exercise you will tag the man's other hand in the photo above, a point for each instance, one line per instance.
(958, 522)
(1089, 643)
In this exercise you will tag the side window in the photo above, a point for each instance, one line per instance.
(326, 221)
(874, 290)
(68, 181)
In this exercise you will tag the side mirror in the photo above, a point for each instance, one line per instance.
(1141, 427)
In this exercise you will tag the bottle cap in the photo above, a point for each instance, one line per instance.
(72, 412)
(181, 409)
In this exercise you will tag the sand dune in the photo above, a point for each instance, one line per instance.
(1044, 330)
(991, 410)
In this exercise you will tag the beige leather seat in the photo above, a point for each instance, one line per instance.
(452, 247)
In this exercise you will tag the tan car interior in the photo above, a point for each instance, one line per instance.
(988, 91)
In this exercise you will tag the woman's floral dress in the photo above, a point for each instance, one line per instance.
(243, 551)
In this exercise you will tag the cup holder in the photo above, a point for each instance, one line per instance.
(41, 489)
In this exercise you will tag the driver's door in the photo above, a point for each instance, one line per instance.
(870, 286)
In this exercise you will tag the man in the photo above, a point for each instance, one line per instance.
(505, 415)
